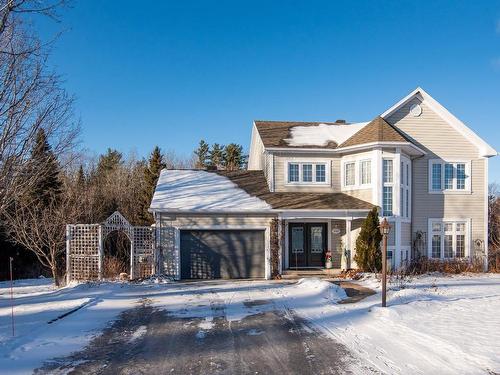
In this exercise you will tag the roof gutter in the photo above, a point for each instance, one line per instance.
(348, 148)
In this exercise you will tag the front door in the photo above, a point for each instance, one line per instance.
(307, 244)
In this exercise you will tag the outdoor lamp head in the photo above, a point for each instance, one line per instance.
(385, 228)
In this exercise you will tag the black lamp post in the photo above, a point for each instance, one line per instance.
(385, 228)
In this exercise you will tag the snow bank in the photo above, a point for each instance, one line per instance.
(201, 190)
(321, 288)
(435, 325)
(322, 134)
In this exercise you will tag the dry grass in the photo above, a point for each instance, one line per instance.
(113, 266)
(451, 266)
(494, 260)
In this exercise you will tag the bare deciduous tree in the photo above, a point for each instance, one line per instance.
(40, 226)
(31, 98)
(494, 227)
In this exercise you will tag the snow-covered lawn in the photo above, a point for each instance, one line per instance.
(436, 325)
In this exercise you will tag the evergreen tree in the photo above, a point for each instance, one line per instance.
(109, 161)
(368, 253)
(151, 174)
(216, 155)
(48, 185)
(80, 178)
(233, 157)
(202, 154)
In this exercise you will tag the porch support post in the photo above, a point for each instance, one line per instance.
(280, 242)
(348, 242)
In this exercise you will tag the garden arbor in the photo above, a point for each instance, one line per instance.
(85, 248)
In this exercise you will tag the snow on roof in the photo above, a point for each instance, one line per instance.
(322, 134)
(201, 190)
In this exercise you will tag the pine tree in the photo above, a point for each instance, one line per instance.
(216, 155)
(202, 154)
(109, 161)
(151, 175)
(368, 255)
(47, 185)
(81, 180)
(233, 158)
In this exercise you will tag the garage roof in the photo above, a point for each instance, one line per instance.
(236, 191)
(199, 190)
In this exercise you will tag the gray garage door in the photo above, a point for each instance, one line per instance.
(226, 254)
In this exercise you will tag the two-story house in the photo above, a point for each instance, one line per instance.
(309, 186)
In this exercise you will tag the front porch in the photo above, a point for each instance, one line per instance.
(305, 239)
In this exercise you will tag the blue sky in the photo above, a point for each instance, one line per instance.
(171, 73)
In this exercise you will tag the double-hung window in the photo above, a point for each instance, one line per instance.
(448, 176)
(320, 173)
(387, 190)
(293, 172)
(404, 183)
(448, 239)
(350, 174)
(366, 172)
(307, 173)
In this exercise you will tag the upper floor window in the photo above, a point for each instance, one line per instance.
(449, 176)
(307, 173)
(293, 172)
(320, 173)
(388, 171)
(350, 173)
(366, 172)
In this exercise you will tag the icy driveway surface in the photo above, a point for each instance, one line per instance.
(209, 328)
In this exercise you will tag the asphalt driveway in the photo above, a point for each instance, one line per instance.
(269, 339)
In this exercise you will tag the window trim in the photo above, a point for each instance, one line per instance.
(443, 233)
(357, 160)
(454, 190)
(301, 182)
(366, 184)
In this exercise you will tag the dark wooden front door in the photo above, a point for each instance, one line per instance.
(307, 244)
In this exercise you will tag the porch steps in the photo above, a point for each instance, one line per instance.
(322, 273)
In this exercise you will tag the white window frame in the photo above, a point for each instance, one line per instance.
(454, 189)
(405, 188)
(366, 184)
(442, 233)
(301, 182)
(389, 184)
(354, 182)
(357, 160)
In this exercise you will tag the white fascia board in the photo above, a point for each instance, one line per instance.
(211, 212)
(363, 146)
(252, 163)
(485, 149)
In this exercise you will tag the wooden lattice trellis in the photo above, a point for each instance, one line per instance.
(84, 248)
